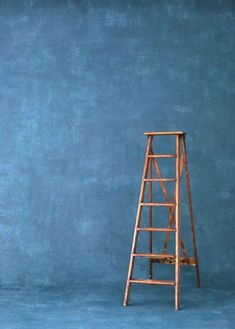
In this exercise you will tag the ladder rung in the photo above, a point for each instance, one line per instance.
(162, 282)
(158, 256)
(183, 261)
(162, 156)
(157, 204)
(160, 179)
(156, 229)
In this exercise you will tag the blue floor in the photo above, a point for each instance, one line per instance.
(101, 307)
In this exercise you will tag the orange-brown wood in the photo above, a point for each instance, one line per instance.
(177, 226)
(153, 255)
(183, 261)
(150, 219)
(160, 180)
(173, 220)
(138, 215)
(157, 204)
(191, 210)
(161, 282)
(162, 156)
(157, 229)
(158, 133)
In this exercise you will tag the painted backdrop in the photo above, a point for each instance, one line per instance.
(80, 83)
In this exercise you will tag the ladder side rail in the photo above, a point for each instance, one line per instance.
(177, 225)
(138, 216)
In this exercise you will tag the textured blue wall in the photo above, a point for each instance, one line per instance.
(80, 83)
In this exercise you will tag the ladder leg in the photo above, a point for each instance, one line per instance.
(150, 221)
(177, 225)
(138, 216)
(191, 211)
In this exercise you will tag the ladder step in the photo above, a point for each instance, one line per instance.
(157, 256)
(161, 282)
(156, 229)
(158, 204)
(160, 179)
(162, 156)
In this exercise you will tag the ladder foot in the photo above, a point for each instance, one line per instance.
(126, 297)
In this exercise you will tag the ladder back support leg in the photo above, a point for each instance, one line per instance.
(174, 217)
(191, 211)
(150, 219)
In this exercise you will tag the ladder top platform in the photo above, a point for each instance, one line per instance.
(155, 133)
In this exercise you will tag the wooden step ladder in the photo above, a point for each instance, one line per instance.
(173, 220)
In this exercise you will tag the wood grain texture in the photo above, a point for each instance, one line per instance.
(173, 220)
(150, 217)
(177, 226)
(138, 215)
(159, 133)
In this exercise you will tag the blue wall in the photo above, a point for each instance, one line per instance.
(80, 83)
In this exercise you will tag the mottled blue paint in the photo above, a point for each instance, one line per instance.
(80, 83)
(85, 308)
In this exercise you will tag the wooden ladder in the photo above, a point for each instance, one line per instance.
(173, 220)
